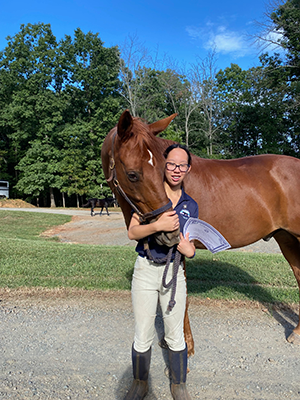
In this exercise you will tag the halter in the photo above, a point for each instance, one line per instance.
(113, 178)
(143, 218)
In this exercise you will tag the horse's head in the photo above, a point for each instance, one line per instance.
(137, 169)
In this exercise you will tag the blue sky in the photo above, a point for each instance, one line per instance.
(181, 29)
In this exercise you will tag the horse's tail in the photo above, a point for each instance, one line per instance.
(88, 204)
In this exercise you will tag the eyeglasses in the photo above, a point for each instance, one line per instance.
(172, 166)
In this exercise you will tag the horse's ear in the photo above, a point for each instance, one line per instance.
(125, 124)
(161, 125)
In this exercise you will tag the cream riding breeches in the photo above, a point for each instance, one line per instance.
(146, 290)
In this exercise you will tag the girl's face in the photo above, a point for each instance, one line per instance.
(177, 167)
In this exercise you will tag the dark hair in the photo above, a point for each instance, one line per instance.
(178, 146)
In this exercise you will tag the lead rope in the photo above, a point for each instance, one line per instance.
(167, 260)
(143, 217)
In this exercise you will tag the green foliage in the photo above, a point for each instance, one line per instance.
(286, 19)
(39, 169)
(59, 100)
(254, 112)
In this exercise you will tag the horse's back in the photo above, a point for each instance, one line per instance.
(248, 197)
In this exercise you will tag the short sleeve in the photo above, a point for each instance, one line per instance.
(195, 210)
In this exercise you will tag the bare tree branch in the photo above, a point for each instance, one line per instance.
(134, 56)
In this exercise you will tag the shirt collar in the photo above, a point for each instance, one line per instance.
(183, 198)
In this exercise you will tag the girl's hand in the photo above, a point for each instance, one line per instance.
(186, 247)
(168, 222)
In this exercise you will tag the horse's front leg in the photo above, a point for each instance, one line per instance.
(101, 211)
(290, 248)
(92, 211)
(107, 210)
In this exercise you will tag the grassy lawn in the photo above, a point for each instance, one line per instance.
(28, 260)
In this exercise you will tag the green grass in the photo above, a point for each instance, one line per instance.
(29, 260)
(28, 225)
(242, 276)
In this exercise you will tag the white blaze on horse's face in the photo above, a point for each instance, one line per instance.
(151, 158)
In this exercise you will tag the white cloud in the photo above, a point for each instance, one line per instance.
(194, 32)
(221, 39)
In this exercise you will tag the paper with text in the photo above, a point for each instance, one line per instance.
(206, 234)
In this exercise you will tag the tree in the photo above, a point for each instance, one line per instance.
(63, 95)
(28, 109)
(286, 19)
(93, 89)
(39, 169)
(203, 78)
(181, 98)
(134, 57)
(254, 113)
(283, 19)
(282, 30)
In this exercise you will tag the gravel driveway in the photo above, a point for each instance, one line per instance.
(76, 345)
(71, 344)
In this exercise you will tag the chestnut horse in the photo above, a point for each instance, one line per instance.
(245, 199)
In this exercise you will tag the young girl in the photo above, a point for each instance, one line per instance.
(147, 287)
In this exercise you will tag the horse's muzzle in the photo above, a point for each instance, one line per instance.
(168, 238)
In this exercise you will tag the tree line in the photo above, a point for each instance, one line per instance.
(59, 99)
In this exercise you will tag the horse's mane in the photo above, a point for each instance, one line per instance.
(142, 134)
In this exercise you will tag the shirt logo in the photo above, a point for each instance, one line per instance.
(185, 213)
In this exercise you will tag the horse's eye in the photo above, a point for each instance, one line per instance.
(133, 176)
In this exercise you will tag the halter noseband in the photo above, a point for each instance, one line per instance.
(113, 178)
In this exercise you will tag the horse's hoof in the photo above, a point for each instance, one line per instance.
(294, 338)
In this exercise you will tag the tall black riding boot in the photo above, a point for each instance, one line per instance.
(178, 370)
(140, 367)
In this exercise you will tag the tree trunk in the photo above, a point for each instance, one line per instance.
(77, 200)
(63, 199)
(52, 200)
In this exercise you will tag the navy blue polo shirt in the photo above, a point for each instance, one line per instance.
(185, 208)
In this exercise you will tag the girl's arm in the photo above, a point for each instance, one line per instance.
(167, 222)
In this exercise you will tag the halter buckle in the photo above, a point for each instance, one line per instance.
(112, 163)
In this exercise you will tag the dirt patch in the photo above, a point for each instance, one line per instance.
(99, 230)
(15, 203)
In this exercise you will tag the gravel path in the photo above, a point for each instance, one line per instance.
(71, 344)
(76, 345)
